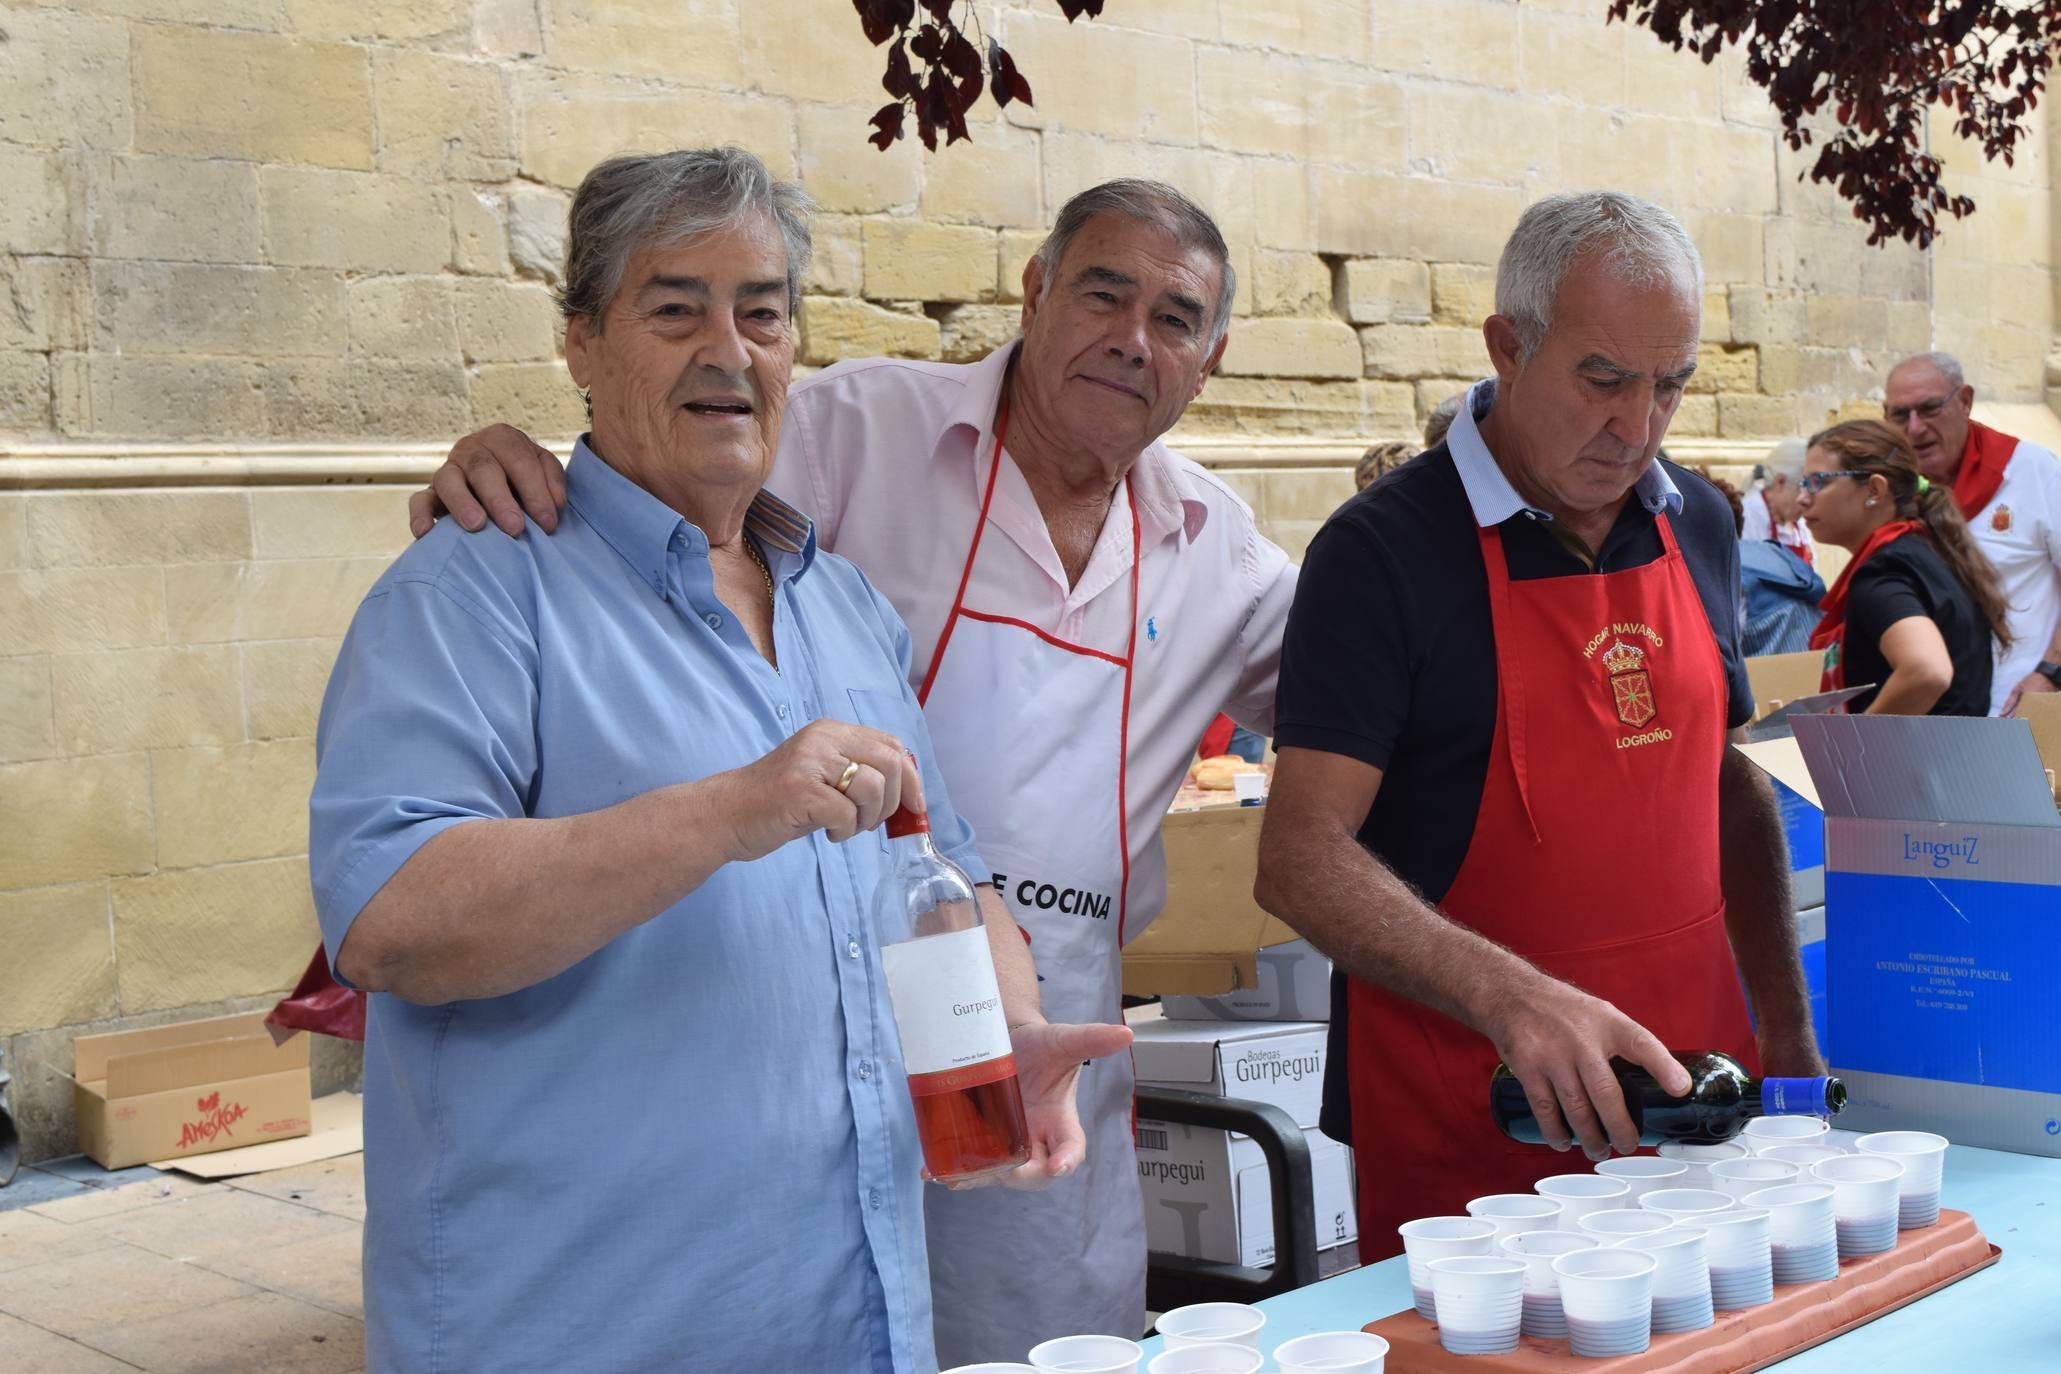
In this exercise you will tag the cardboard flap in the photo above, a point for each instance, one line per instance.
(2042, 712)
(1176, 1052)
(1782, 760)
(91, 1053)
(1202, 942)
(1778, 679)
(178, 1066)
(1969, 770)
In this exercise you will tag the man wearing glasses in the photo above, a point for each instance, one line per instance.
(2009, 490)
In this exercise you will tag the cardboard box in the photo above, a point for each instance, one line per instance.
(1778, 679)
(1280, 1063)
(1942, 926)
(1294, 984)
(187, 1089)
(1803, 822)
(1208, 1196)
(1204, 941)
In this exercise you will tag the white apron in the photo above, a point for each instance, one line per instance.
(1009, 1269)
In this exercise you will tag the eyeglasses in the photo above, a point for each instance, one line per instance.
(1815, 482)
(1927, 410)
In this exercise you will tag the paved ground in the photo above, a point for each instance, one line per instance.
(103, 1272)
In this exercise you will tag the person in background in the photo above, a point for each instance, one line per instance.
(1441, 419)
(2009, 492)
(1503, 801)
(1381, 459)
(1781, 592)
(1770, 510)
(1915, 611)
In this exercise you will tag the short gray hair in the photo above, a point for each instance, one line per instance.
(1947, 365)
(1441, 418)
(666, 199)
(1152, 202)
(1638, 242)
(1785, 459)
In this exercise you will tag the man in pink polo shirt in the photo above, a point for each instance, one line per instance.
(1083, 601)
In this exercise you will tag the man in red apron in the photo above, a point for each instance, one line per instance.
(1504, 803)
(2009, 490)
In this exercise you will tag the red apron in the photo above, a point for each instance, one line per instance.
(1594, 855)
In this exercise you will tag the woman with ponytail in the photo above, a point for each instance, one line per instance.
(1916, 610)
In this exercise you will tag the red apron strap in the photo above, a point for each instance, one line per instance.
(937, 655)
(1509, 668)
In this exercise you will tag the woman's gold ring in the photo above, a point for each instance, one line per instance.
(844, 779)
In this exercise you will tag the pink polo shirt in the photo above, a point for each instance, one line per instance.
(889, 455)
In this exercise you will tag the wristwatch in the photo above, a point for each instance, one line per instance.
(2051, 672)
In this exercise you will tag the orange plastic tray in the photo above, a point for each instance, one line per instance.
(1802, 1315)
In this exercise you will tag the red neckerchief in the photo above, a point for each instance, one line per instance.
(1982, 468)
(1831, 632)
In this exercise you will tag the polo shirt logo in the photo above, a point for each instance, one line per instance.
(1631, 686)
(2000, 520)
(1152, 629)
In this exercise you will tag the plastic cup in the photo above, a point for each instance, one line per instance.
(1735, 1245)
(1434, 1238)
(1216, 1358)
(1802, 1156)
(1514, 1213)
(1333, 1352)
(1864, 1201)
(1699, 1158)
(1480, 1302)
(1773, 1132)
(1923, 1156)
(993, 1367)
(1643, 1173)
(1249, 788)
(1687, 1204)
(1538, 1249)
(1681, 1278)
(1803, 1246)
(1212, 1323)
(1738, 1177)
(1846, 1142)
(1087, 1355)
(1607, 1295)
(1615, 1228)
(1579, 1195)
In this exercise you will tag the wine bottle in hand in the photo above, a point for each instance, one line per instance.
(1722, 1098)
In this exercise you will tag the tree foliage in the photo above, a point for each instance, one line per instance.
(1879, 65)
(935, 66)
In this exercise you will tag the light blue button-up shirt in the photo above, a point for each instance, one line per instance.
(694, 1149)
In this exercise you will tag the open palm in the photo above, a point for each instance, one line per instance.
(1048, 1064)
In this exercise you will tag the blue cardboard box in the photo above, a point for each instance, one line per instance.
(1942, 926)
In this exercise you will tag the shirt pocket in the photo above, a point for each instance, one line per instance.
(889, 711)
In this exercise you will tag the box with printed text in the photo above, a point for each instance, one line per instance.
(188, 1089)
(1207, 1194)
(1277, 1062)
(1294, 985)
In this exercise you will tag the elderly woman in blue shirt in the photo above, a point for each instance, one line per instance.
(595, 822)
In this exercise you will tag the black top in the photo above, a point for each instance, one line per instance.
(1906, 577)
(1389, 657)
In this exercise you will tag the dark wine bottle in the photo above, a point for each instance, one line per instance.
(1722, 1098)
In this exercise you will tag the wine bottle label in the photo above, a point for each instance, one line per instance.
(1793, 1096)
(945, 1000)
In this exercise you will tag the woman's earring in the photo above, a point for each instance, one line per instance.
(1871, 500)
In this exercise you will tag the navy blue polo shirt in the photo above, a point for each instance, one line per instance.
(1390, 658)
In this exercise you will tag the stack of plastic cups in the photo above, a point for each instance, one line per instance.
(1735, 1244)
(1846, 1142)
(1804, 1157)
(1923, 1156)
(1515, 1213)
(1643, 1173)
(1333, 1352)
(1087, 1355)
(1480, 1303)
(1432, 1238)
(1211, 1323)
(1864, 1202)
(1681, 1278)
(1615, 1228)
(1607, 1294)
(1738, 1177)
(994, 1367)
(1765, 1133)
(1538, 1250)
(1699, 1158)
(1802, 1245)
(1579, 1195)
(1685, 1205)
(1217, 1358)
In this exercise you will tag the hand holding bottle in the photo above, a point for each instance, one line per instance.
(1559, 1041)
(793, 791)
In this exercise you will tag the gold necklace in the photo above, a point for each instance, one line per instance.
(764, 571)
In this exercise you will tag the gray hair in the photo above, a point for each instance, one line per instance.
(665, 199)
(1946, 364)
(1153, 202)
(1441, 418)
(1638, 242)
(1785, 459)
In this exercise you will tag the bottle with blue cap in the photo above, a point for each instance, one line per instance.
(1722, 1098)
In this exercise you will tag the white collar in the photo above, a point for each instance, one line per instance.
(1489, 492)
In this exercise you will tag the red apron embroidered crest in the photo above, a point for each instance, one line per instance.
(1631, 686)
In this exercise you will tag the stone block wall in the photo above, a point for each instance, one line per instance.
(255, 254)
